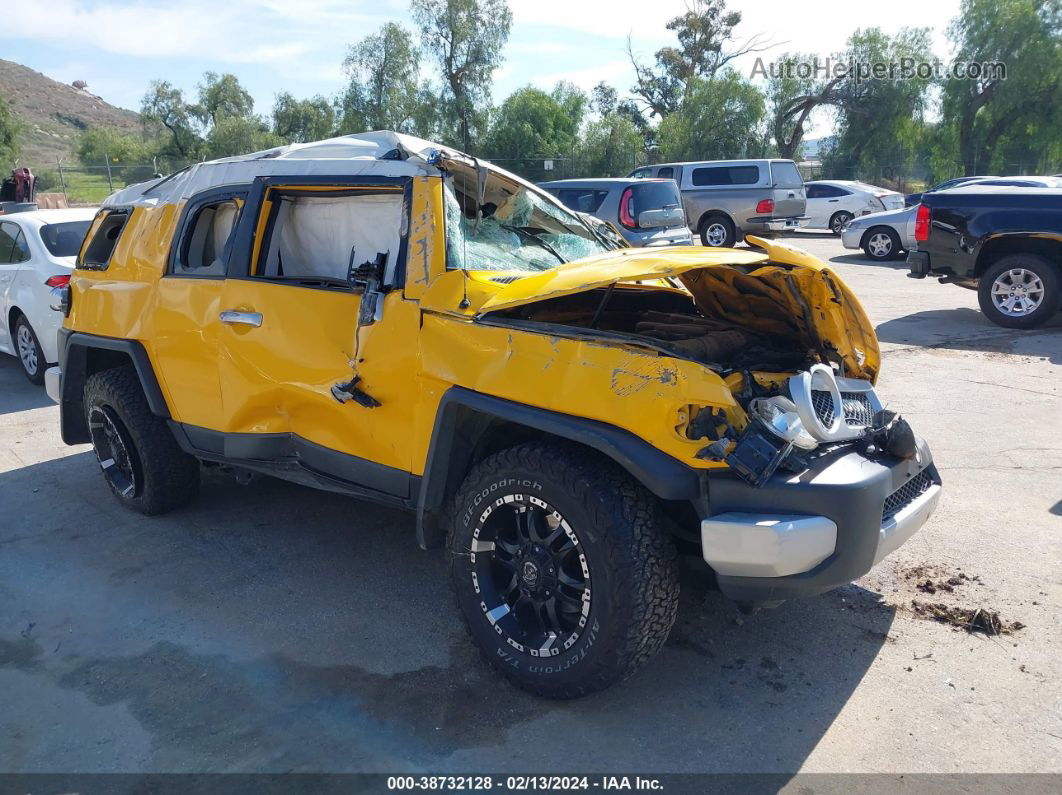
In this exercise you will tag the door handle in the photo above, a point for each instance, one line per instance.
(834, 201)
(792, 195)
(236, 318)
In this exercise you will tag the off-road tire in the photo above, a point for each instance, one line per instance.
(36, 377)
(167, 477)
(706, 223)
(633, 565)
(1044, 269)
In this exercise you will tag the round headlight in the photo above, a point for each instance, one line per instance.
(779, 414)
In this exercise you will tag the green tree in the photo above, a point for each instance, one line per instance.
(239, 135)
(706, 44)
(720, 118)
(794, 91)
(532, 125)
(465, 38)
(165, 105)
(994, 118)
(98, 145)
(302, 120)
(382, 92)
(9, 127)
(221, 97)
(880, 127)
(612, 146)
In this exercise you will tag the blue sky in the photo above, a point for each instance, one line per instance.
(119, 46)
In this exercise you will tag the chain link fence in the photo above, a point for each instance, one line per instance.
(82, 184)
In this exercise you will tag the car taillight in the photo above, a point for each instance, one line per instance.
(765, 206)
(626, 209)
(58, 281)
(922, 223)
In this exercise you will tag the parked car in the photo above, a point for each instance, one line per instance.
(1004, 242)
(833, 203)
(911, 199)
(728, 199)
(647, 212)
(37, 250)
(997, 182)
(882, 236)
(536, 396)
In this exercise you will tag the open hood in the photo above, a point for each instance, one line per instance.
(775, 288)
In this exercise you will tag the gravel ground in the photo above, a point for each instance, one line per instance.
(275, 628)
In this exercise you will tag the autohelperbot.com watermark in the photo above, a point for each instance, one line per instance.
(904, 68)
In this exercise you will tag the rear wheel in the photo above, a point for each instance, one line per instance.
(839, 220)
(881, 243)
(562, 572)
(28, 348)
(140, 459)
(718, 232)
(1019, 291)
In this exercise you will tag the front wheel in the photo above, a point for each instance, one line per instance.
(563, 574)
(1019, 291)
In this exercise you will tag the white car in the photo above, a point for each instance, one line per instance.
(833, 203)
(37, 251)
(882, 236)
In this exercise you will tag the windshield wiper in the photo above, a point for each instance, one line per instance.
(535, 239)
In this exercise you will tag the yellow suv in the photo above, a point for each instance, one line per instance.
(386, 318)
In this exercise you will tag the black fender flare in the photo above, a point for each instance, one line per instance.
(74, 348)
(463, 414)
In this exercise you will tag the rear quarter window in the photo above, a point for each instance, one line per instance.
(100, 247)
(708, 176)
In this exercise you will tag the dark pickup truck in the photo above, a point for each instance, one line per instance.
(1006, 243)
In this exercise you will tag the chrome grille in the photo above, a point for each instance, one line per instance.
(857, 408)
(822, 402)
(906, 494)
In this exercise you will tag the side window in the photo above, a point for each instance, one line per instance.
(667, 172)
(9, 234)
(99, 249)
(583, 200)
(707, 176)
(207, 239)
(641, 173)
(816, 192)
(315, 236)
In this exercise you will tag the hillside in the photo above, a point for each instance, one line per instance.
(53, 113)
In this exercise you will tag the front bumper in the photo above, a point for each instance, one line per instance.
(825, 527)
(852, 238)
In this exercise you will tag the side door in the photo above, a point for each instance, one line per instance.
(816, 205)
(184, 338)
(307, 377)
(9, 257)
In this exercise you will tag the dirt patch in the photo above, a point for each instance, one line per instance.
(937, 579)
(972, 619)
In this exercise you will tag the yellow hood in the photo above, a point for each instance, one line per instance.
(803, 298)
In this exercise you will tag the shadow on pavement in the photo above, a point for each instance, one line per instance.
(271, 627)
(968, 329)
(18, 394)
(898, 264)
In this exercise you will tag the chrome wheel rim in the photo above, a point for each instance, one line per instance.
(531, 575)
(27, 349)
(1017, 292)
(715, 234)
(840, 222)
(880, 244)
(114, 451)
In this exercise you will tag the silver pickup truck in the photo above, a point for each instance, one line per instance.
(728, 199)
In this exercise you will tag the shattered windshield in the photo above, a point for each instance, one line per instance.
(495, 224)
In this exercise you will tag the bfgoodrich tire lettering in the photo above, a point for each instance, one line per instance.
(141, 461)
(559, 518)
